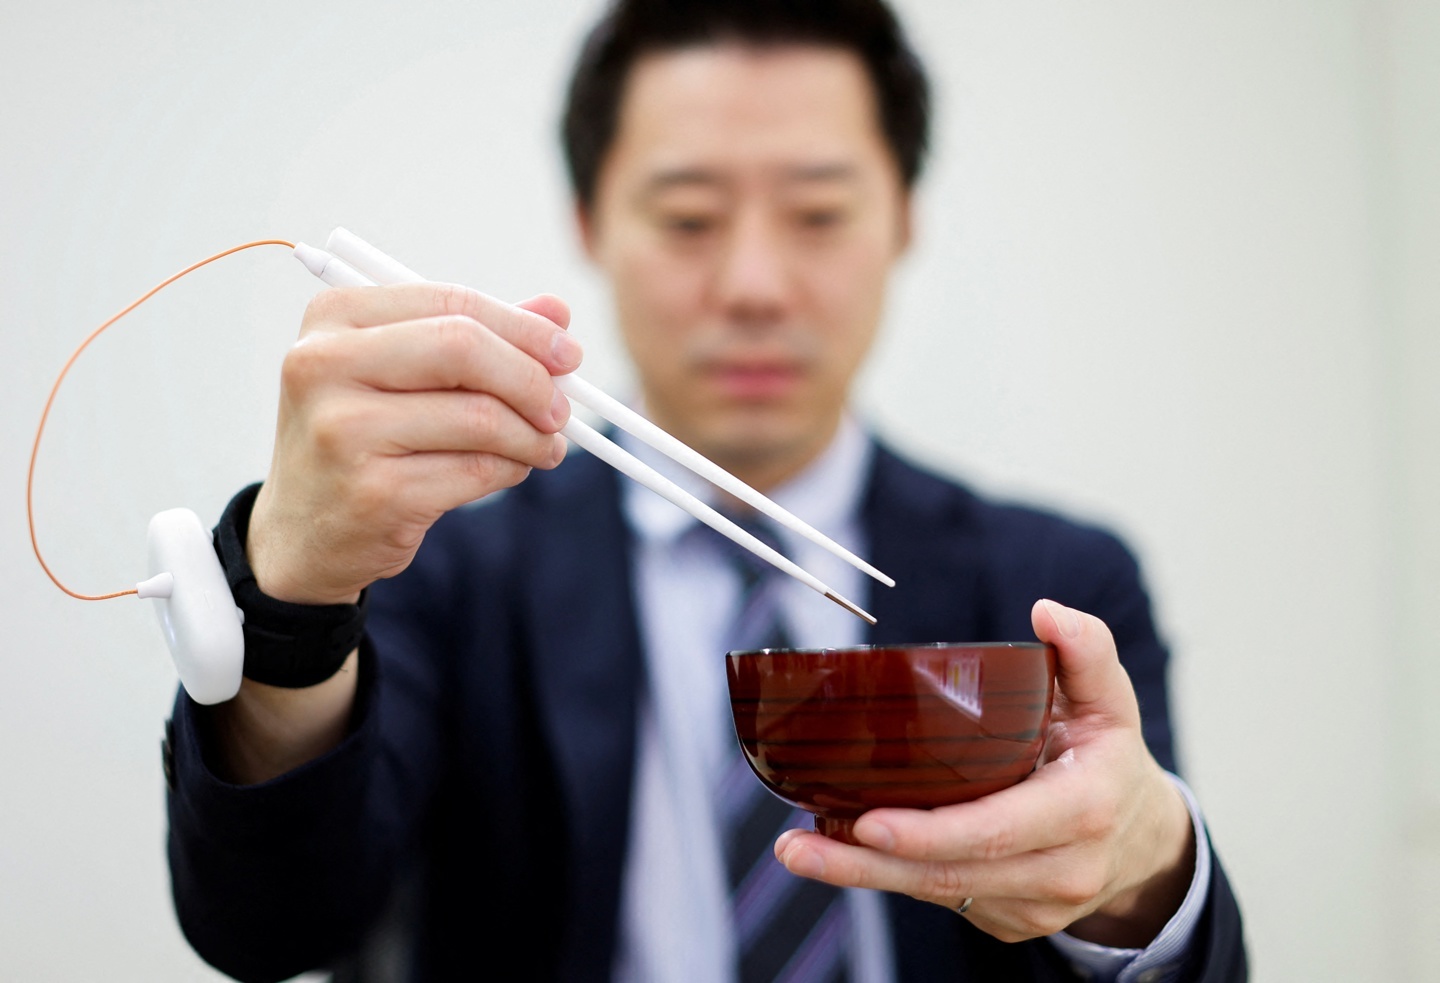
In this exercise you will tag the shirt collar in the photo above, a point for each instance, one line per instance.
(826, 494)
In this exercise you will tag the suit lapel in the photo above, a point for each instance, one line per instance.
(920, 532)
(587, 668)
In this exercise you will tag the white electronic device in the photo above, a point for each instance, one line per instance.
(197, 612)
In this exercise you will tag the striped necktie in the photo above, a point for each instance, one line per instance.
(787, 928)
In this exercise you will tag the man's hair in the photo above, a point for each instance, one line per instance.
(631, 29)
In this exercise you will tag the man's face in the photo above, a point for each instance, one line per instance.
(748, 214)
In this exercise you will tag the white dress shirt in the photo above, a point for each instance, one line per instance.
(675, 897)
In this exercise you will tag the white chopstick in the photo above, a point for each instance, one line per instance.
(381, 268)
(364, 265)
(626, 463)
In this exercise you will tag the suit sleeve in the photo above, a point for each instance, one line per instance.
(1108, 585)
(275, 879)
(1106, 582)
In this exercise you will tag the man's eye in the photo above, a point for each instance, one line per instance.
(688, 224)
(821, 218)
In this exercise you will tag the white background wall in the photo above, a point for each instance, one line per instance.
(1177, 270)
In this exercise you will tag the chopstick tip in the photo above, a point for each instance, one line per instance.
(870, 571)
(853, 608)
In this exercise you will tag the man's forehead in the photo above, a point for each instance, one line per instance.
(797, 115)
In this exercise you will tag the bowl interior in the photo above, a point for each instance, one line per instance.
(840, 731)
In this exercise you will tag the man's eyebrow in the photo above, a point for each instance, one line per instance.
(805, 173)
(681, 177)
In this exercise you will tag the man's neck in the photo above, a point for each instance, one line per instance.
(765, 473)
(764, 468)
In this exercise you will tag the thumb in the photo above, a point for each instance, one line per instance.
(548, 306)
(1088, 671)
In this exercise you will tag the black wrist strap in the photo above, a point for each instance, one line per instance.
(290, 645)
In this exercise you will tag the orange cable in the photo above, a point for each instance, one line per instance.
(40, 430)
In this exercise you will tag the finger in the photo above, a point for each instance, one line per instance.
(453, 421)
(1048, 809)
(1030, 876)
(446, 480)
(1088, 671)
(1015, 920)
(437, 353)
(368, 307)
(548, 306)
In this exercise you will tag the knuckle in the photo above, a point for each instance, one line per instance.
(997, 843)
(1090, 826)
(451, 298)
(306, 364)
(491, 471)
(333, 427)
(455, 338)
(324, 306)
(1077, 888)
(945, 880)
(1006, 933)
(480, 468)
(1031, 920)
(481, 419)
(1048, 921)
(1098, 822)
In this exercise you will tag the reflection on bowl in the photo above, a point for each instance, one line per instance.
(840, 731)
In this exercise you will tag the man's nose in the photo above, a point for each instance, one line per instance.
(754, 278)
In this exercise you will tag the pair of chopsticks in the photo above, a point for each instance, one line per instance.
(349, 261)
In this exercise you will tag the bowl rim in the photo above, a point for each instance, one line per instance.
(871, 647)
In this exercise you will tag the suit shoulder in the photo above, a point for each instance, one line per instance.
(1015, 538)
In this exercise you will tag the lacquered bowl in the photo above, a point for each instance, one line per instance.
(841, 731)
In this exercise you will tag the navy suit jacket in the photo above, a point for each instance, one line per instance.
(493, 744)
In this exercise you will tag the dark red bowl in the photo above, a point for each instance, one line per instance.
(840, 731)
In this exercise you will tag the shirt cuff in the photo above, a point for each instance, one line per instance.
(1164, 958)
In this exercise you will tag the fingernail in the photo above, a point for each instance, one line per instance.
(805, 863)
(566, 351)
(1065, 619)
(875, 834)
(560, 409)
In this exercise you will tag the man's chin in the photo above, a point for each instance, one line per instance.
(760, 445)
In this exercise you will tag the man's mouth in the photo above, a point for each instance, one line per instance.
(755, 380)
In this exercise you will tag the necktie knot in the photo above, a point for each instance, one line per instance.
(752, 569)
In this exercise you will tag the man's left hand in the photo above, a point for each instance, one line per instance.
(1098, 840)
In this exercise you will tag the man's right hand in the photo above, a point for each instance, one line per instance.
(398, 404)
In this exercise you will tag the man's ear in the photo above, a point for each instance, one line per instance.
(585, 228)
(905, 221)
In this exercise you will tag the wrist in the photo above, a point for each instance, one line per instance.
(265, 554)
(287, 644)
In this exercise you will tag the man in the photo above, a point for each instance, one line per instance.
(534, 720)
